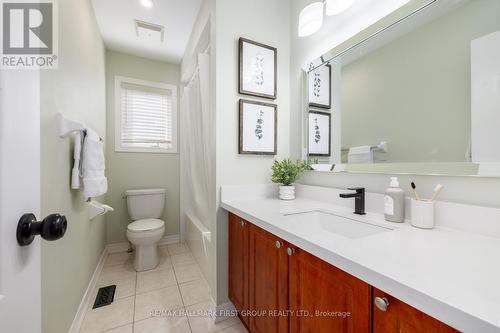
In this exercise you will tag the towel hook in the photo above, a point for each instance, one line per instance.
(66, 126)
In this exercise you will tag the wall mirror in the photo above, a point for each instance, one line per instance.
(421, 96)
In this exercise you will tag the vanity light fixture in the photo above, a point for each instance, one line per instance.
(310, 19)
(334, 7)
(147, 3)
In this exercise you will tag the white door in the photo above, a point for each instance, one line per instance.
(20, 297)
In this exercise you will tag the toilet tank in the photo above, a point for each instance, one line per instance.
(145, 203)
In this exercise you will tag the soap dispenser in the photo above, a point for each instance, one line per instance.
(394, 202)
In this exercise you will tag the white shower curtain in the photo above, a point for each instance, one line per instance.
(198, 152)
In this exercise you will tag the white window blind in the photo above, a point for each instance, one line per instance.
(146, 116)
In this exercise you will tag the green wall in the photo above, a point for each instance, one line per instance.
(414, 92)
(138, 170)
(77, 90)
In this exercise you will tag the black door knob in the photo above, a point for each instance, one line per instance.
(51, 228)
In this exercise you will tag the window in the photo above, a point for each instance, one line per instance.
(145, 116)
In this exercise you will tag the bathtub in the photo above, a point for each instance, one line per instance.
(198, 239)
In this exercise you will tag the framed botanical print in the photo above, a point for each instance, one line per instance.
(319, 133)
(257, 69)
(319, 87)
(257, 130)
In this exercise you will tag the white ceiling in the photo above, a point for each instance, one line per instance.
(116, 22)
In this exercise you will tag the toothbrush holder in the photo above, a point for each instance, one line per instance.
(422, 213)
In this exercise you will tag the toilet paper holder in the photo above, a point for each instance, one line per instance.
(96, 209)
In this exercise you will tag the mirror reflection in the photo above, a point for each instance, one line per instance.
(422, 93)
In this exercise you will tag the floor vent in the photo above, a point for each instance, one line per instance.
(105, 296)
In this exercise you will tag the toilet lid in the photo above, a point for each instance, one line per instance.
(145, 225)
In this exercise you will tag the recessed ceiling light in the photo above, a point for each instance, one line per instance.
(147, 3)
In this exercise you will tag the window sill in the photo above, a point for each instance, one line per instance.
(146, 150)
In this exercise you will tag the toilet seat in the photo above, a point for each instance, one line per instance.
(145, 225)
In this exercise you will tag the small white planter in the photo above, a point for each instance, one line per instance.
(287, 192)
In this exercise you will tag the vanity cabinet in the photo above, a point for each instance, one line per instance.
(279, 288)
(286, 289)
(390, 315)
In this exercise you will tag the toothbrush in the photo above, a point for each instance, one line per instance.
(437, 189)
(414, 187)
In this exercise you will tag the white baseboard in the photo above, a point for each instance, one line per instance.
(224, 311)
(122, 247)
(117, 247)
(86, 300)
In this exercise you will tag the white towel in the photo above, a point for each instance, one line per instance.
(94, 180)
(323, 167)
(77, 166)
(361, 154)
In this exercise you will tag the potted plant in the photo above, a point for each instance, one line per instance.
(286, 173)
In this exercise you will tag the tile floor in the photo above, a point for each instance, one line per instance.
(168, 299)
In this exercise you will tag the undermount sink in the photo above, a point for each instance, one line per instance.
(319, 221)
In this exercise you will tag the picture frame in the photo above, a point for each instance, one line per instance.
(319, 87)
(257, 127)
(257, 69)
(319, 142)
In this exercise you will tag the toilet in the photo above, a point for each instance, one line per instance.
(145, 207)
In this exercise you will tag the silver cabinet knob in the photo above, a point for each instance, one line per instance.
(279, 244)
(242, 223)
(290, 251)
(381, 303)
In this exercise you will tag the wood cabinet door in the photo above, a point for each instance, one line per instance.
(325, 299)
(400, 317)
(268, 282)
(238, 262)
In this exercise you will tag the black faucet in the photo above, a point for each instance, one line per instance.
(359, 199)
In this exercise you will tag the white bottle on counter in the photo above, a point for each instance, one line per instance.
(394, 202)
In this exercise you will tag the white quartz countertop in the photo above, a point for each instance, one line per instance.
(451, 275)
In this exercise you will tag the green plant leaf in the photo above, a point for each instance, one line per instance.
(286, 172)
